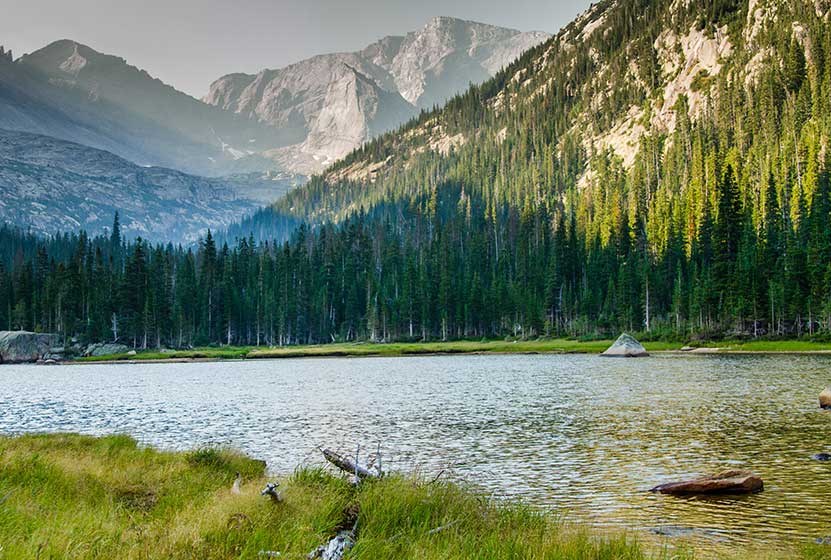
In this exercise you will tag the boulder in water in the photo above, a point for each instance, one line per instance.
(23, 346)
(626, 347)
(825, 398)
(726, 482)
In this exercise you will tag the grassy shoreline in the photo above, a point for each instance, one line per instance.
(542, 346)
(73, 496)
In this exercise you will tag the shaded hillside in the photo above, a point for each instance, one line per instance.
(49, 185)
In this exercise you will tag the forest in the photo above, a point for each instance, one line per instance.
(721, 227)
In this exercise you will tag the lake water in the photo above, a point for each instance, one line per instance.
(584, 435)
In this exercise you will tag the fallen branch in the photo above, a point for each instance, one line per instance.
(438, 476)
(433, 531)
(336, 548)
(346, 465)
(442, 528)
(270, 490)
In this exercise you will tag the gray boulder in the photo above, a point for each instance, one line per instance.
(23, 346)
(626, 347)
(105, 349)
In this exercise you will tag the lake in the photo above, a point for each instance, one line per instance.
(584, 435)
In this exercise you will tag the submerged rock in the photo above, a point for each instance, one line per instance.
(726, 482)
(825, 398)
(626, 347)
(23, 346)
(675, 531)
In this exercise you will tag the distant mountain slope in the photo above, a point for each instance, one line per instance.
(50, 185)
(332, 103)
(70, 91)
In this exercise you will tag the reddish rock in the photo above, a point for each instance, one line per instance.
(727, 482)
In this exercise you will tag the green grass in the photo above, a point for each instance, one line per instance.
(221, 353)
(71, 496)
(416, 348)
(773, 346)
(358, 349)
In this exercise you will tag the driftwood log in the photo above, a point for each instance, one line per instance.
(336, 548)
(343, 542)
(347, 465)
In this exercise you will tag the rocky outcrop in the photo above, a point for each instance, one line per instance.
(626, 347)
(105, 349)
(24, 347)
(726, 482)
(825, 398)
(330, 104)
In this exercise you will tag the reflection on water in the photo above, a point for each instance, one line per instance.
(581, 434)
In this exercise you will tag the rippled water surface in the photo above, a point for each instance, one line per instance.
(582, 434)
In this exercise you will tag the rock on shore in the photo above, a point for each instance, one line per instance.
(825, 398)
(626, 347)
(24, 346)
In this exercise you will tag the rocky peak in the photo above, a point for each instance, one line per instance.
(333, 103)
(6, 54)
(67, 59)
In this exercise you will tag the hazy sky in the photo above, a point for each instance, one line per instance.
(190, 43)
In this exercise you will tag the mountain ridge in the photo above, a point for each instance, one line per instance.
(409, 73)
(153, 122)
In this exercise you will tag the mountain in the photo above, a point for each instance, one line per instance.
(658, 166)
(300, 118)
(626, 77)
(331, 104)
(252, 129)
(49, 185)
(70, 91)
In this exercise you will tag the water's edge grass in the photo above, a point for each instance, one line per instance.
(83, 497)
(540, 346)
